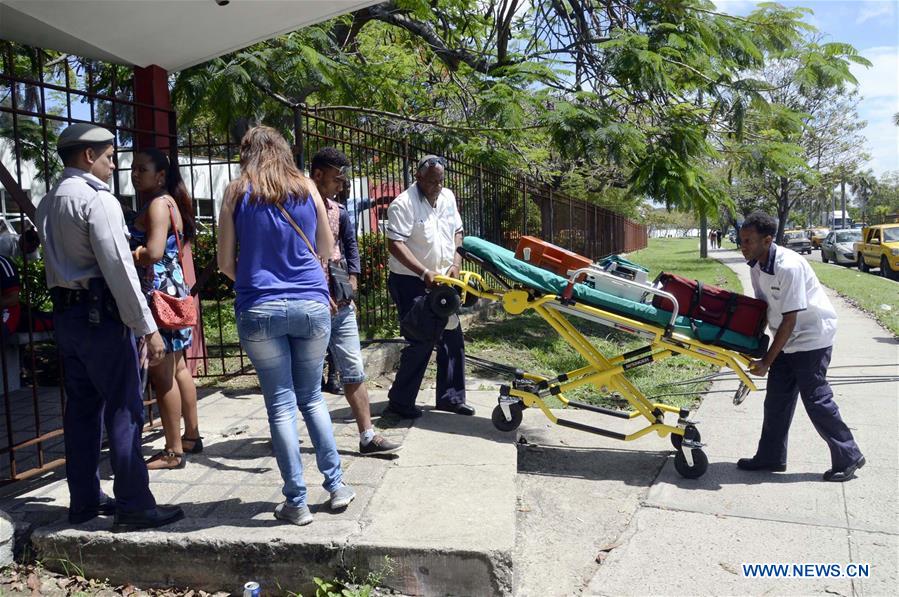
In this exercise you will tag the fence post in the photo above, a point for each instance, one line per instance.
(407, 179)
(497, 221)
(552, 218)
(525, 210)
(481, 198)
(298, 137)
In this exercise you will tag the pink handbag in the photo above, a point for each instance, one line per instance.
(170, 312)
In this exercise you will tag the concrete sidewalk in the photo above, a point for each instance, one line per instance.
(467, 510)
(443, 512)
(691, 537)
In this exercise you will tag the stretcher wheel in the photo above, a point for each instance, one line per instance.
(690, 431)
(469, 299)
(700, 464)
(499, 418)
(444, 301)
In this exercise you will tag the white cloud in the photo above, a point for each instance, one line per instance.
(872, 10)
(879, 88)
(736, 7)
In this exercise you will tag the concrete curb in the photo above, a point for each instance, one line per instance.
(279, 566)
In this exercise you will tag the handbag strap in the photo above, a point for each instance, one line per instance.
(296, 227)
(177, 235)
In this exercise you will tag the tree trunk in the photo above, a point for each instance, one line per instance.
(703, 235)
(783, 210)
(843, 200)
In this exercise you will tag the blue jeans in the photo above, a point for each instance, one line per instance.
(345, 346)
(286, 341)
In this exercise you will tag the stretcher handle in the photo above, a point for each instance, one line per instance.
(575, 274)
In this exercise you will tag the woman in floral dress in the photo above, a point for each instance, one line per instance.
(165, 212)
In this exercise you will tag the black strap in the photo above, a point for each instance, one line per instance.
(696, 301)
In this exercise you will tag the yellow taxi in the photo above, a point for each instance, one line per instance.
(817, 236)
(879, 248)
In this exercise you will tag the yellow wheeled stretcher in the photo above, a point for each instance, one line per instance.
(521, 286)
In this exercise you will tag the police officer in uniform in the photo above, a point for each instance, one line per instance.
(98, 309)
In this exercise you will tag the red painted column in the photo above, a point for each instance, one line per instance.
(155, 120)
(156, 126)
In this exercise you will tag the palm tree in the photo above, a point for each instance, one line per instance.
(863, 184)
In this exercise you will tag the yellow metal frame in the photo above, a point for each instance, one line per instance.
(604, 372)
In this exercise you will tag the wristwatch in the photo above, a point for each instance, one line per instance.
(423, 275)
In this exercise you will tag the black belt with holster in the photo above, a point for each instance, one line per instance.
(97, 296)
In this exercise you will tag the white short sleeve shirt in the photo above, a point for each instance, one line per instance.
(429, 232)
(788, 283)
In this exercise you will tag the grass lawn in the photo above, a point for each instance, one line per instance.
(224, 357)
(527, 342)
(681, 256)
(868, 292)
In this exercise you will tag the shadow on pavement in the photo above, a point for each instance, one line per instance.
(727, 473)
(599, 464)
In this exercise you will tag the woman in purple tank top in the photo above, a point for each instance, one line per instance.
(273, 231)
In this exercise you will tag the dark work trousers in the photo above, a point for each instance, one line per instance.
(102, 383)
(416, 355)
(804, 374)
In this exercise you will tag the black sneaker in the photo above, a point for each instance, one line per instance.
(379, 445)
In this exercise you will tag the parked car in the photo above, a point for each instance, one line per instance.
(798, 241)
(839, 246)
(879, 248)
(817, 235)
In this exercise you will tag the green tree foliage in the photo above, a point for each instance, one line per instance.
(883, 204)
(806, 138)
(589, 95)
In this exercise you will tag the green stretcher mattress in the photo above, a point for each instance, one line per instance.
(545, 281)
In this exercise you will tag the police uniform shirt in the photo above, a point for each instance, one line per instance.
(84, 236)
(429, 232)
(788, 283)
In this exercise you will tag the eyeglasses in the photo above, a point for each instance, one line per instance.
(431, 161)
(343, 170)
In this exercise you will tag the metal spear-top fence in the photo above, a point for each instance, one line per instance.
(37, 100)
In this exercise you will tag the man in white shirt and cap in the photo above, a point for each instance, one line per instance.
(804, 324)
(98, 309)
(424, 228)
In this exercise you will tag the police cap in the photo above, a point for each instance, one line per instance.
(82, 135)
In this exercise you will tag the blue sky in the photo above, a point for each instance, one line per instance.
(873, 28)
